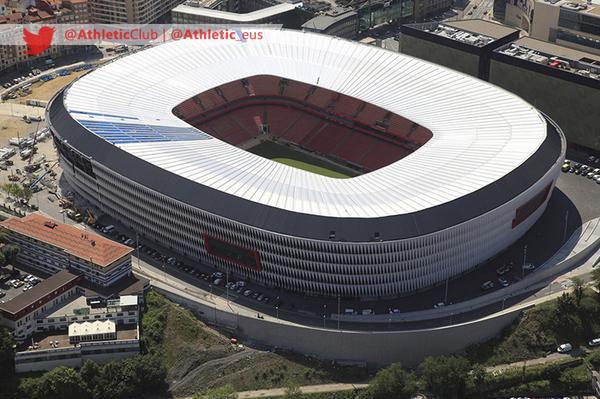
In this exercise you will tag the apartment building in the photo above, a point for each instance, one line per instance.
(47, 13)
(130, 11)
(570, 23)
(51, 246)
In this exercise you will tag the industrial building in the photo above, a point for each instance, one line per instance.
(465, 46)
(562, 82)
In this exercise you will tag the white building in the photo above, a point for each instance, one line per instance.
(99, 341)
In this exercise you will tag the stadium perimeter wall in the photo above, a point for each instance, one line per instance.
(380, 348)
(370, 348)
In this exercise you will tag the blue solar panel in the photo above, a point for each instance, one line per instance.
(99, 114)
(124, 133)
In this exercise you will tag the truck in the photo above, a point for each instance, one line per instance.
(26, 153)
(37, 103)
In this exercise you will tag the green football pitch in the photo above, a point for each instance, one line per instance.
(297, 159)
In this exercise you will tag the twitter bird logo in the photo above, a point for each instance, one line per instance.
(39, 42)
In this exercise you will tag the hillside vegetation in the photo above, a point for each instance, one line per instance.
(198, 358)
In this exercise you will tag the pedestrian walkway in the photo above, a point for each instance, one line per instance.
(275, 392)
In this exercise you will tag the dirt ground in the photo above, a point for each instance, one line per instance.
(45, 90)
(15, 127)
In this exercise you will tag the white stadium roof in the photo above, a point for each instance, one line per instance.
(480, 132)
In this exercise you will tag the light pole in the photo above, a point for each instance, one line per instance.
(566, 224)
(338, 318)
(137, 244)
(324, 314)
(277, 311)
(524, 258)
(227, 284)
(446, 294)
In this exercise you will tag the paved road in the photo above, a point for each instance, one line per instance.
(267, 393)
(483, 10)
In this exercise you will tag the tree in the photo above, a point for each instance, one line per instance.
(9, 253)
(91, 374)
(59, 383)
(445, 376)
(596, 278)
(393, 382)
(578, 290)
(10, 188)
(292, 390)
(6, 349)
(224, 392)
(566, 321)
(26, 193)
(479, 374)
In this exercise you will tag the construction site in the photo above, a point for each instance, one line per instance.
(29, 169)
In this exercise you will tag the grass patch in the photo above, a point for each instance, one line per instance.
(538, 331)
(199, 358)
(300, 160)
(175, 332)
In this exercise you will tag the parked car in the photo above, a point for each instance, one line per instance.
(503, 270)
(218, 281)
(564, 348)
(439, 305)
(488, 285)
(503, 282)
(528, 266)
(247, 293)
(218, 275)
(594, 342)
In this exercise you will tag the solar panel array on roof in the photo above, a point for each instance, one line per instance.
(125, 133)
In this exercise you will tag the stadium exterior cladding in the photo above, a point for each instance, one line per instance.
(369, 269)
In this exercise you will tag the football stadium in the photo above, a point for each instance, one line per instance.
(307, 162)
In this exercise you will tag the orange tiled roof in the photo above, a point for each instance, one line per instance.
(80, 243)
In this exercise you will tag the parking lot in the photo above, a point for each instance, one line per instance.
(15, 281)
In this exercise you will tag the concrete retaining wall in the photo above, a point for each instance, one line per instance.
(375, 348)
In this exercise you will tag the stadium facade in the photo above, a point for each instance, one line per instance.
(452, 170)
